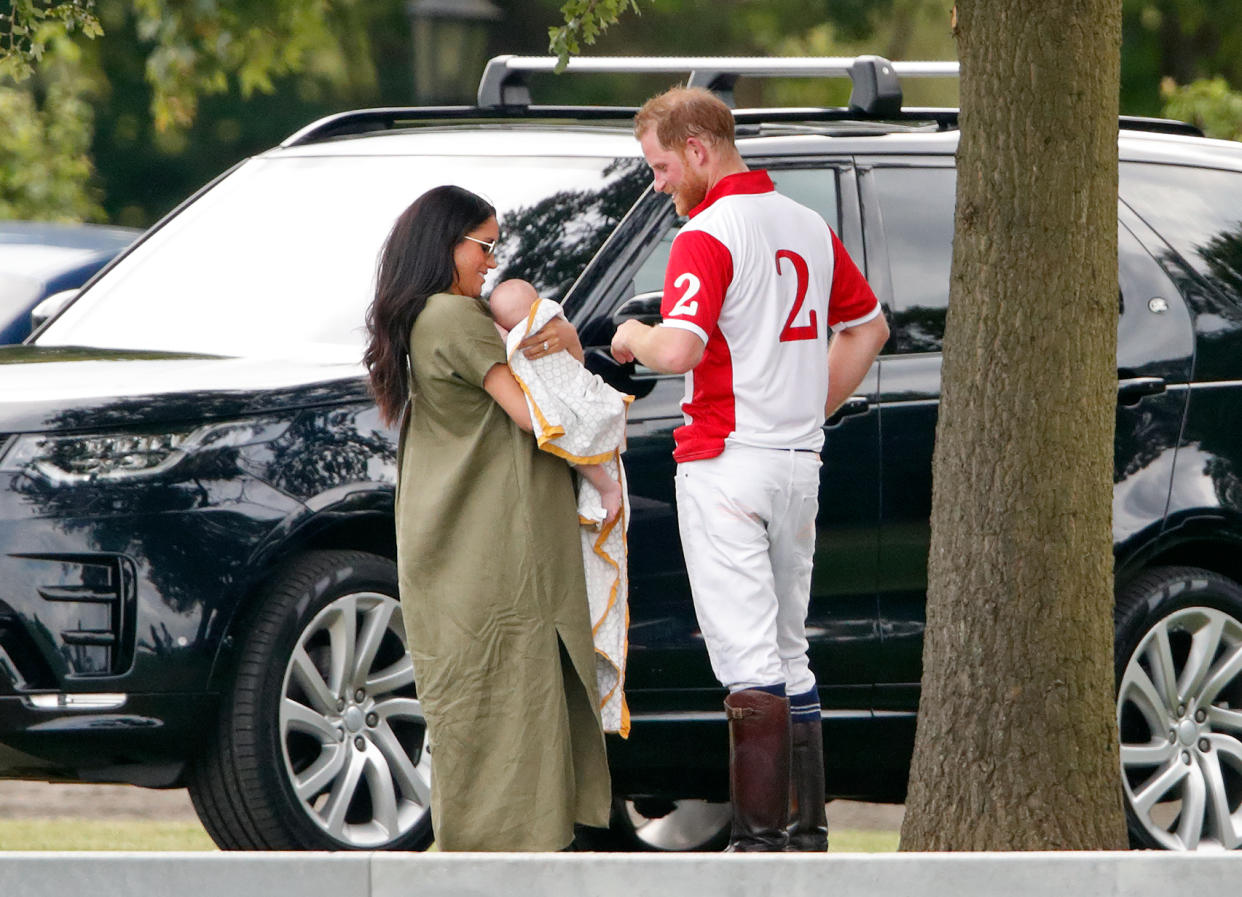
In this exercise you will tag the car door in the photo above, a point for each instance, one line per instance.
(668, 665)
(908, 209)
(908, 205)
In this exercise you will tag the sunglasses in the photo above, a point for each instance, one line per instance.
(489, 248)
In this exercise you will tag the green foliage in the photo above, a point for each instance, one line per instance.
(145, 79)
(45, 141)
(195, 48)
(1185, 40)
(27, 27)
(898, 29)
(910, 29)
(1208, 103)
(584, 21)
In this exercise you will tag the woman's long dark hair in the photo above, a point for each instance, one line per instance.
(416, 262)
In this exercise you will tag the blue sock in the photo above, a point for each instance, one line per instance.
(804, 708)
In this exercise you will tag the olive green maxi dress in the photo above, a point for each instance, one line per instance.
(494, 601)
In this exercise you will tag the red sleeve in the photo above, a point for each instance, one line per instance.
(851, 300)
(700, 269)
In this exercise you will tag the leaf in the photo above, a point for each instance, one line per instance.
(585, 20)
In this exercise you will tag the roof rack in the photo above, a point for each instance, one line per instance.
(505, 96)
(876, 88)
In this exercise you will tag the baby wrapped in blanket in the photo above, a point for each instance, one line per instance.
(579, 417)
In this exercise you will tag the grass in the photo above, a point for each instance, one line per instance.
(861, 841)
(101, 834)
(124, 834)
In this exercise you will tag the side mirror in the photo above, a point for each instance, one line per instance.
(50, 306)
(645, 307)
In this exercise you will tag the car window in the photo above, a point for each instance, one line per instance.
(815, 188)
(1198, 211)
(649, 277)
(17, 294)
(916, 208)
(279, 258)
(1154, 333)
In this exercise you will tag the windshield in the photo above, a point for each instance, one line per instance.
(278, 260)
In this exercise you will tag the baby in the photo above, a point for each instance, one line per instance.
(511, 303)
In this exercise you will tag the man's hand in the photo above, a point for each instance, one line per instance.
(669, 350)
(850, 354)
(628, 331)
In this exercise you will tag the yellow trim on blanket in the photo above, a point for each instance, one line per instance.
(530, 316)
(560, 452)
(598, 548)
(548, 431)
(553, 449)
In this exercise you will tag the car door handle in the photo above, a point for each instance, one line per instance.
(1133, 389)
(851, 406)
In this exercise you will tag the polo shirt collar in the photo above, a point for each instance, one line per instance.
(736, 184)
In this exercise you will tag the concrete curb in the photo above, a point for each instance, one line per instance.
(1138, 874)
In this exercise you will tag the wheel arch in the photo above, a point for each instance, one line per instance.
(355, 522)
(1211, 542)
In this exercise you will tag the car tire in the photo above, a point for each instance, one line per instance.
(656, 824)
(320, 743)
(1179, 708)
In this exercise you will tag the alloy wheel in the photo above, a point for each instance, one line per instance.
(679, 825)
(352, 732)
(1179, 712)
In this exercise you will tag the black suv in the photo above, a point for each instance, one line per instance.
(196, 535)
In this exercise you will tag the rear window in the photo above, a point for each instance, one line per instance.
(916, 207)
(1198, 211)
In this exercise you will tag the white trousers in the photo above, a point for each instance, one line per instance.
(747, 522)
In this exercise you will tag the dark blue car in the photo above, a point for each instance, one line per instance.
(39, 258)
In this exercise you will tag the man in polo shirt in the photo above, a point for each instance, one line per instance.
(755, 286)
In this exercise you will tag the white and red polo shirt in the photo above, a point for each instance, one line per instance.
(761, 280)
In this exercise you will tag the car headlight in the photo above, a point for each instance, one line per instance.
(68, 460)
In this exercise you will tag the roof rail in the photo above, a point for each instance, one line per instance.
(363, 121)
(876, 88)
(1158, 125)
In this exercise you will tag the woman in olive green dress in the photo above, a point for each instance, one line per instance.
(492, 587)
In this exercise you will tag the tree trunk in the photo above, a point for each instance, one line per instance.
(1017, 745)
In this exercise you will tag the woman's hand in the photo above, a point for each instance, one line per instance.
(553, 336)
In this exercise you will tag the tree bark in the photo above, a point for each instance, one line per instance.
(1017, 746)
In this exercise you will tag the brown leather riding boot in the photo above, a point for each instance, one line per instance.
(758, 770)
(808, 830)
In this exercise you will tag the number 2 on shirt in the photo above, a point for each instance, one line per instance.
(684, 306)
(792, 332)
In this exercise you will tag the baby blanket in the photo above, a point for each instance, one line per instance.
(579, 417)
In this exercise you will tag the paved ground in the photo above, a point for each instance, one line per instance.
(31, 800)
(42, 800)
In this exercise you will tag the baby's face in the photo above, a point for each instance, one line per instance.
(506, 312)
(511, 303)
